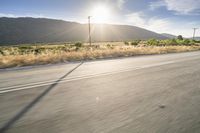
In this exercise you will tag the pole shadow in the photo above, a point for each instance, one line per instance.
(21, 113)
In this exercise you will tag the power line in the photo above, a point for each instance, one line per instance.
(90, 39)
(194, 32)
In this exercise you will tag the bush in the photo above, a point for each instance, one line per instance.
(173, 42)
(1, 52)
(78, 44)
(135, 43)
(109, 45)
(126, 43)
(153, 42)
(187, 42)
(180, 42)
(23, 47)
(196, 41)
(39, 50)
(163, 42)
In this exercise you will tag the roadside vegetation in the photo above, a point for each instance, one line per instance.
(23, 55)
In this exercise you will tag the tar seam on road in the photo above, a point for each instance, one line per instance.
(22, 112)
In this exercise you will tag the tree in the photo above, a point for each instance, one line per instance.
(180, 37)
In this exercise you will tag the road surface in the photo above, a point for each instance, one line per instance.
(146, 94)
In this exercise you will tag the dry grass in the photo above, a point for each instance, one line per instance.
(54, 54)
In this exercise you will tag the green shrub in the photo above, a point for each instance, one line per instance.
(108, 45)
(78, 44)
(187, 42)
(163, 42)
(153, 42)
(179, 42)
(1, 52)
(183, 42)
(173, 42)
(126, 43)
(135, 43)
(25, 47)
(196, 41)
(39, 50)
(168, 42)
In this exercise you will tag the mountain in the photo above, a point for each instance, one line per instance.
(33, 30)
(196, 38)
(169, 35)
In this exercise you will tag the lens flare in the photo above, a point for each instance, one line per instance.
(100, 13)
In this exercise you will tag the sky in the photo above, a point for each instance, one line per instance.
(176, 17)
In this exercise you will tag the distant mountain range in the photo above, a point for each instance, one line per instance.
(196, 38)
(170, 36)
(34, 30)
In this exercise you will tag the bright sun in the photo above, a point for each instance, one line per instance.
(100, 13)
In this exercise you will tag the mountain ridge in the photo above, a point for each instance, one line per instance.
(169, 35)
(43, 30)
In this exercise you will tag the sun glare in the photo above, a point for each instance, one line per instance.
(100, 13)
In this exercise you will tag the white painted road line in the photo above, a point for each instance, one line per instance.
(46, 83)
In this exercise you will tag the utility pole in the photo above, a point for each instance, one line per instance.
(90, 39)
(194, 32)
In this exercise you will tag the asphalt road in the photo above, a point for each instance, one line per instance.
(146, 94)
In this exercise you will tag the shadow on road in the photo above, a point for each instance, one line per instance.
(33, 103)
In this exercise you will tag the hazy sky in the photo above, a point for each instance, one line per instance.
(162, 16)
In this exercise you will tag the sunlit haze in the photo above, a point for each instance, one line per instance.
(161, 16)
(100, 13)
(99, 66)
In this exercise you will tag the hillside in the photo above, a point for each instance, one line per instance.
(33, 30)
(169, 35)
(196, 38)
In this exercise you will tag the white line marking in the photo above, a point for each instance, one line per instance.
(50, 82)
